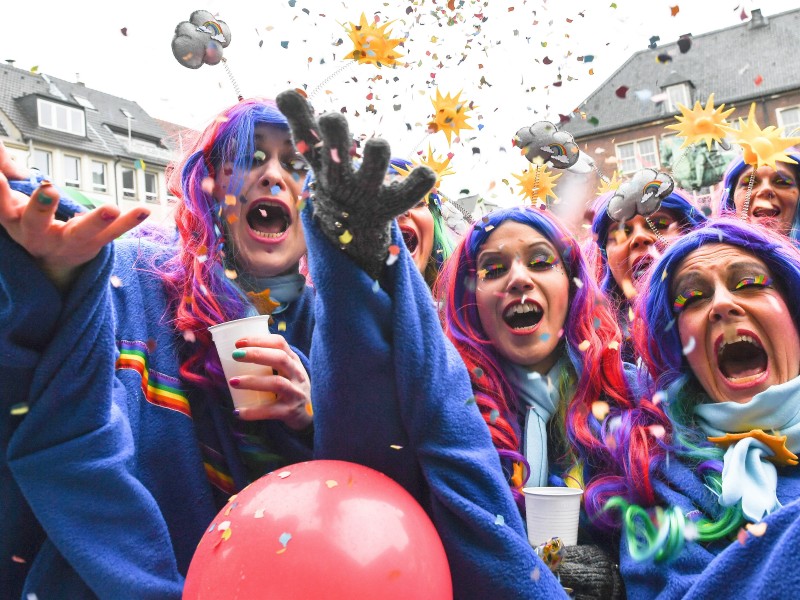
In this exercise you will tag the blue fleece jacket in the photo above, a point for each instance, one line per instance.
(761, 567)
(391, 392)
(107, 485)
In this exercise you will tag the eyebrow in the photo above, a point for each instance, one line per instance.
(492, 252)
(695, 276)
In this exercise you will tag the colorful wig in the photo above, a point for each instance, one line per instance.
(442, 245)
(731, 178)
(197, 287)
(595, 371)
(677, 202)
(658, 343)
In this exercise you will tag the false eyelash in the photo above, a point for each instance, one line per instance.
(681, 300)
(761, 280)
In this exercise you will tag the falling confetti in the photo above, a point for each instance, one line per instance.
(689, 347)
(600, 409)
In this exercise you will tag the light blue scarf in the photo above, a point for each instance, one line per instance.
(282, 288)
(540, 396)
(747, 475)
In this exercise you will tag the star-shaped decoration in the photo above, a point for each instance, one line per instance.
(372, 45)
(609, 185)
(762, 146)
(450, 115)
(437, 164)
(263, 303)
(700, 124)
(781, 455)
(537, 183)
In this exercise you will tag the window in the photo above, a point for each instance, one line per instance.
(638, 154)
(789, 119)
(42, 160)
(61, 117)
(678, 94)
(84, 102)
(72, 171)
(128, 183)
(98, 176)
(151, 188)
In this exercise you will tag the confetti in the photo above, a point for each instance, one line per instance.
(281, 326)
(115, 281)
(346, 238)
(284, 474)
(613, 345)
(657, 431)
(493, 416)
(659, 397)
(499, 520)
(690, 345)
(756, 529)
(284, 538)
(674, 10)
(124, 31)
(600, 409)
(259, 514)
(584, 345)
(331, 483)
(621, 91)
(231, 274)
(18, 559)
(396, 447)
(230, 200)
(17, 410)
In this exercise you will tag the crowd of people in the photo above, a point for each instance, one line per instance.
(653, 367)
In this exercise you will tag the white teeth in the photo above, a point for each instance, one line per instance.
(267, 235)
(518, 309)
(739, 338)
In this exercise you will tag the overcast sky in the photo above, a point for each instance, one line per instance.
(504, 55)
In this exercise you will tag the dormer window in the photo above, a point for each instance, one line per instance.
(61, 117)
(678, 94)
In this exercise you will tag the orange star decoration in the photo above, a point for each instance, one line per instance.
(450, 115)
(263, 303)
(537, 184)
(781, 455)
(609, 185)
(701, 124)
(372, 44)
(762, 146)
(435, 163)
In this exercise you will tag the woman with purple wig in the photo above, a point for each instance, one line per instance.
(719, 335)
(120, 442)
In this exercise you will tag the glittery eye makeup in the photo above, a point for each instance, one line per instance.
(542, 261)
(757, 281)
(684, 298)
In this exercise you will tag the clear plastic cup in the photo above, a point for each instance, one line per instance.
(225, 336)
(552, 512)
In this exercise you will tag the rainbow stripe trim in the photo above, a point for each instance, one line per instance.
(159, 389)
(761, 280)
(213, 463)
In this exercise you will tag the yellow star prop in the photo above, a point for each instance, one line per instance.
(263, 303)
(701, 124)
(435, 163)
(762, 146)
(537, 183)
(450, 115)
(610, 185)
(372, 45)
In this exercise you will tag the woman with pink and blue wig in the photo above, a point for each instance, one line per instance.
(120, 442)
(719, 335)
(542, 348)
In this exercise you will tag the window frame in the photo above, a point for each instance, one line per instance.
(49, 156)
(128, 193)
(151, 197)
(638, 164)
(72, 116)
(781, 123)
(76, 183)
(672, 104)
(104, 186)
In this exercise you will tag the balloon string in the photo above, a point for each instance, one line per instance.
(677, 162)
(329, 77)
(746, 206)
(232, 78)
(661, 239)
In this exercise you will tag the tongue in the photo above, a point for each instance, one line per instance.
(267, 221)
(741, 369)
(743, 360)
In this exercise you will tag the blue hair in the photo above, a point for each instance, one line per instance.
(731, 178)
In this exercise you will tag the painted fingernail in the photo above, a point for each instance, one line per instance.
(142, 216)
(241, 343)
(239, 353)
(235, 412)
(44, 199)
(234, 381)
(107, 216)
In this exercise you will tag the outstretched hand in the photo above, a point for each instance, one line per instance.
(353, 206)
(60, 248)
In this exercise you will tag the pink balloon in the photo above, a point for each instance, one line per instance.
(320, 529)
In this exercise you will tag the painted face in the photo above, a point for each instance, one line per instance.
(522, 295)
(737, 333)
(773, 200)
(263, 226)
(417, 228)
(632, 248)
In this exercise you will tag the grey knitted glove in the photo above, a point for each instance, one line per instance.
(591, 574)
(354, 207)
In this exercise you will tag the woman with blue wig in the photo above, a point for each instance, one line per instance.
(720, 336)
(120, 441)
(628, 248)
(764, 195)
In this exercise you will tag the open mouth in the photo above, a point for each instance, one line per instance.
(268, 219)
(766, 212)
(410, 238)
(640, 266)
(742, 358)
(524, 315)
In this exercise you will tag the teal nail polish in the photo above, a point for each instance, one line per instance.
(239, 354)
(45, 199)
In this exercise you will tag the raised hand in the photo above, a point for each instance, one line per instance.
(353, 206)
(290, 383)
(60, 248)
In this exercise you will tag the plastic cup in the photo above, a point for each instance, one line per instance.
(225, 336)
(552, 512)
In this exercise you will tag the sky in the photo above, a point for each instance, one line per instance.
(514, 61)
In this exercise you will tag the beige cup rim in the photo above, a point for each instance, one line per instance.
(552, 491)
(254, 318)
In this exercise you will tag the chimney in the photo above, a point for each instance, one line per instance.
(757, 20)
(10, 61)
